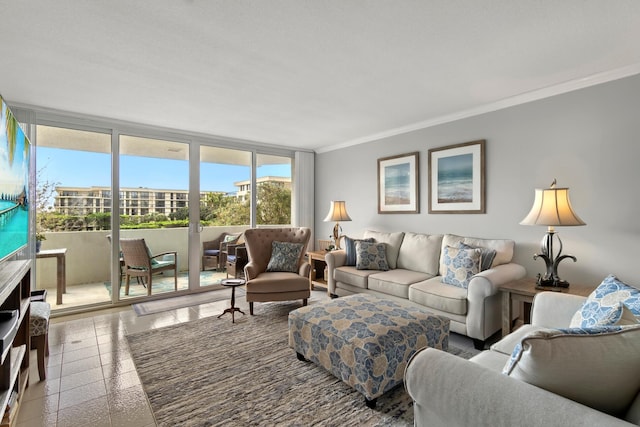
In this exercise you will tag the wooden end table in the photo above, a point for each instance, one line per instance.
(523, 291)
(316, 275)
(233, 284)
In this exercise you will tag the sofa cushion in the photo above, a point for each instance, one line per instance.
(487, 255)
(507, 344)
(504, 248)
(434, 294)
(597, 367)
(350, 249)
(352, 276)
(604, 299)
(284, 256)
(396, 282)
(371, 256)
(393, 241)
(420, 252)
(460, 266)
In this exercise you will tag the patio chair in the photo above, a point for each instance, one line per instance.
(274, 275)
(237, 258)
(214, 252)
(139, 263)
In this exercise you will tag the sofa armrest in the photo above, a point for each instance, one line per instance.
(334, 259)
(450, 391)
(486, 282)
(483, 318)
(554, 309)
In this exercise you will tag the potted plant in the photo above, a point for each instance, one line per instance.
(39, 238)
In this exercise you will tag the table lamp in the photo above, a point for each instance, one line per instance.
(551, 207)
(337, 213)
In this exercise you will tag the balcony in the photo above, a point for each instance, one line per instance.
(88, 267)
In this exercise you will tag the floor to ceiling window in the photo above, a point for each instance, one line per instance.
(153, 215)
(273, 180)
(89, 170)
(225, 178)
(73, 210)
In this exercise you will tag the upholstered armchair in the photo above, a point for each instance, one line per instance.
(277, 271)
(214, 251)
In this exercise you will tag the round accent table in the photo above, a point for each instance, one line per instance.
(233, 284)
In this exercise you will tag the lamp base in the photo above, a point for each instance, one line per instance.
(545, 283)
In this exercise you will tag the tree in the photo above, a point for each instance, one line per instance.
(274, 204)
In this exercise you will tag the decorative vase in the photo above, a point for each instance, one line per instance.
(38, 244)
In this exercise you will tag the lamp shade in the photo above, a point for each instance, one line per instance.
(338, 211)
(551, 207)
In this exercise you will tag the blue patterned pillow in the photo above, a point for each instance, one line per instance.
(371, 256)
(350, 248)
(460, 265)
(604, 299)
(487, 255)
(285, 256)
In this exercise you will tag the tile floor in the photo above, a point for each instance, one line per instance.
(91, 378)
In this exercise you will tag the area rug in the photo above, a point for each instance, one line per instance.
(211, 372)
(218, 294)
(163, 283)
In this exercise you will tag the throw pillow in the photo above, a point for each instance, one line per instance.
(487, 255)
(605, 298)
(285, 256)
(598, 367)
(371, 256)
(460, 265)
(229, 238)
(350, 249)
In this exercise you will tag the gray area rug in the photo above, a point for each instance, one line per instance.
(211, 372)
(218, 293)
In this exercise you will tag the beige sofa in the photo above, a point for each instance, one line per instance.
(415, 276)
(453, 392)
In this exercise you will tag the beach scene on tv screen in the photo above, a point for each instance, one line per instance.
(14, 179)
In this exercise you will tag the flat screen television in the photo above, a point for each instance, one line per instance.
(14, 185)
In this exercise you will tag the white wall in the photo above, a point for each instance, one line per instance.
(588, 139)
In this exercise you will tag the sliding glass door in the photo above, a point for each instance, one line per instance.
(153, 216)
(225, 209)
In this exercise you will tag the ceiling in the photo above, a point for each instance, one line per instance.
(308, 74)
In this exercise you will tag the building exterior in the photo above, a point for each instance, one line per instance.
(139, 201)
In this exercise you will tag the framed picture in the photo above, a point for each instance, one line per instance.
(456, 178)
(398, 180)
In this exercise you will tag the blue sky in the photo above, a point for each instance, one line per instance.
(85, 169)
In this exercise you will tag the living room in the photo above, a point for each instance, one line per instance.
(574, 122)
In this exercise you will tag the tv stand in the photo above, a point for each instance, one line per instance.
(15, 304)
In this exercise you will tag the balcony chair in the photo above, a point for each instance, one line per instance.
(214, 252)
(276, 272)
(139, 263)
(237, 258)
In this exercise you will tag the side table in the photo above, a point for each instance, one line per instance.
(523, 291)
(233, 284)
(316, 275)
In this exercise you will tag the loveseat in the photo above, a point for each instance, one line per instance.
(570, 369)
(416, 270)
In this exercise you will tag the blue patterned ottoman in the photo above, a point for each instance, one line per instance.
(365, 341)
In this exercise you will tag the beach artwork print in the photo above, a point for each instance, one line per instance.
(456, 175)
(398, 184)
(14, 184)
(455, 179)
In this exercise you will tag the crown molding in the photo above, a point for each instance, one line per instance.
(512, 101)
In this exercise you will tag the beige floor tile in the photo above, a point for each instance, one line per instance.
(129, 407)
(80, 365)
(93, 412)
(72, 381)
(82, 394)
